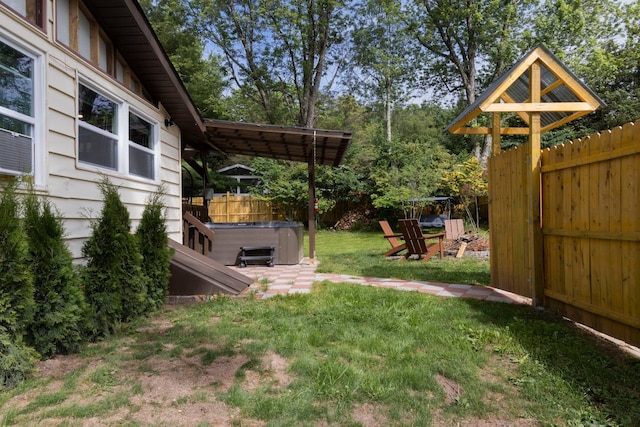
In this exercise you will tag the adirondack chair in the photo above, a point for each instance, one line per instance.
(392, 238)
(453, 228)
(417, 243)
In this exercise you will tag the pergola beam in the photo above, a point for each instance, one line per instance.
(538, 107)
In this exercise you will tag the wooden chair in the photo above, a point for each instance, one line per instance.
(392, 238)
(417, 243)
(453, 228)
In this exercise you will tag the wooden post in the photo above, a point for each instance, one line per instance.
(495, 134)
(534, 234)
(226, 207)
(312, 213)
(311, 162)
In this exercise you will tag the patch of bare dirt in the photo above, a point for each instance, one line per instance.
(60, 366)
(273, 369)
(452, 390)
(185, 390)
(157, 326)
(369, 415)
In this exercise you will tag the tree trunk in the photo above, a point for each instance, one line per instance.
(388, 110)
(485, 153)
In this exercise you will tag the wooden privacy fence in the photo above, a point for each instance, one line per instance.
(507, 221)
(235, 208)
(590, 210)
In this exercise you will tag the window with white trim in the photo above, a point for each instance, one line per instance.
(113, 137)
(97, 129)
(141, 147)
(17, 112)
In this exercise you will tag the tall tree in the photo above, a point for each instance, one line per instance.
(383, 65)
(612, 67)
(201, 72)
(472, 42)
(406, 172)
(469, 43)
(278, 51)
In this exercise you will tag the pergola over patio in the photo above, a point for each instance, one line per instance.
(545, 94)
(308, 145)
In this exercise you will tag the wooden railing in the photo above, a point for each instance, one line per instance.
(198, 211)
(196, 235)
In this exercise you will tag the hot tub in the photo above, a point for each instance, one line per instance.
(285, 236)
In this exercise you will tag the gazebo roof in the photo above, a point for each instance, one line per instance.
(563, 96)
(278, 142)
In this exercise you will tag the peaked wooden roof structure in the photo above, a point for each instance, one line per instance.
(556, 93)
(545, 94)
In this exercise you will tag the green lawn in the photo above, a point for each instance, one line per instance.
(343, 355)
(360, 254)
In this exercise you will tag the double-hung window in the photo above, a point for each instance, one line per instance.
(17, 112)
(112, 136)
(98, 129)
(141, 147)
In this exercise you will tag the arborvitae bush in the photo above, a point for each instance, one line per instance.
(60, 321)
(17, 361)
(115, 286)
(16, 280)
(16, 291)
(155, 250)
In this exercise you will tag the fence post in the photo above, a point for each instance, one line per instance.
(534, 234)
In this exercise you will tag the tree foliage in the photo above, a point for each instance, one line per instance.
(467, 181)
(201, 72)
(16, 279)
(384, 64)
(277, 52)
(153, 242)
(407, 170)
(17, 306)
(283, 182)
(59, 325)
(115, 286)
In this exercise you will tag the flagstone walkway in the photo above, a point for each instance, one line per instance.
(297, 279)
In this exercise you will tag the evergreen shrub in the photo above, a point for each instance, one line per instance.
(154, 247)
(16, 280)
(17, 361)
(16, 292)
(115, 286)
(60, 321)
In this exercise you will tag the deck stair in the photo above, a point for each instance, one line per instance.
(193, 272)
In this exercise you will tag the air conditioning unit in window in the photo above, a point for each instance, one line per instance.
(16, 152)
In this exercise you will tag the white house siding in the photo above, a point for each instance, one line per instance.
(72, 186)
